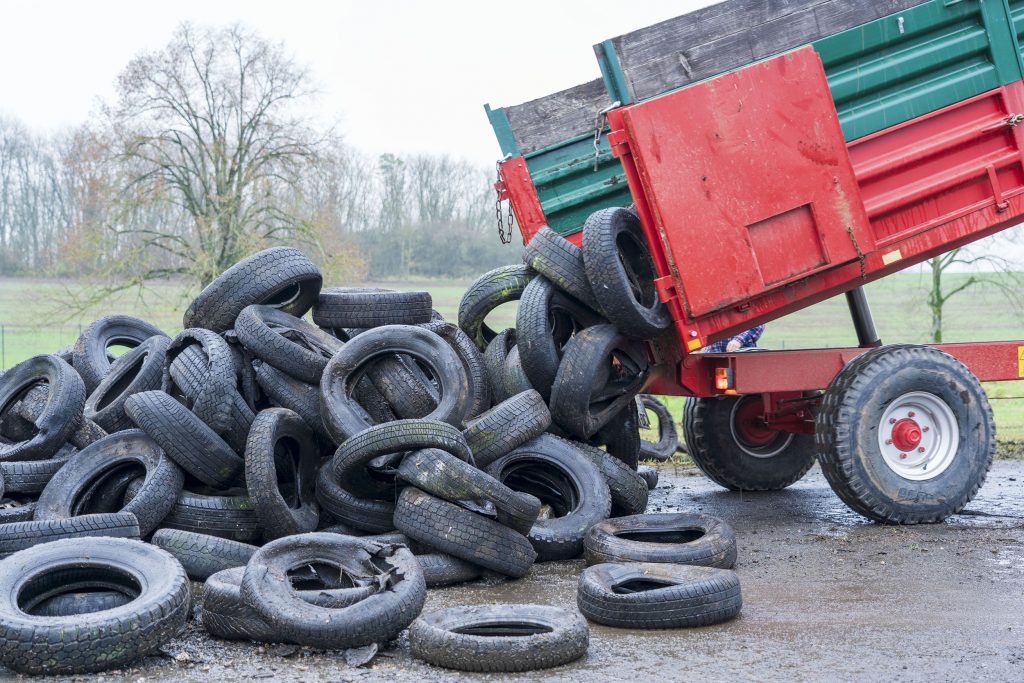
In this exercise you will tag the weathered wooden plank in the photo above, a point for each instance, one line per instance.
(549, 120)
(729, 35)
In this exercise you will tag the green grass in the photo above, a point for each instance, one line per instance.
(36, 318)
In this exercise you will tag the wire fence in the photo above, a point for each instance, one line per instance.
(18, 342)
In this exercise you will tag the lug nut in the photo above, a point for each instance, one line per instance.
(910, 414)
(921, 449)
(903, 456)
(888, 442)
(924, 429)
(892, 420)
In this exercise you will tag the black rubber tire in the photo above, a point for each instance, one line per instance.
(281, 461)
(90, 357)
(672, 538)
(491, 289)
(440, 569)
(211, 392)
(31, 406)
(344, 417)
(621, 436)
(445, 476)
(226, 615)
(649, 475)
(200, 554)
(650, 596)
(68, 604)
(186, 439)
(378, 618)
(290, 344)
(600, 374)
(349, 463)
(628, 489)
(404, 386)
(17, 511)
(622, 273)
(472, 361)
(506, 426)
(516, 381)
(562, 477)
(545, 322)
(281, 277)
(21, 535)
(287, 392)
(141, 369)
(499, 638)
(84, 643)
(340, 307)
(713, 444)
(849, 421)
(668, 439)
(60, 413)
(494, 363)
(561, 262)
(466, 535)
(73, 489)
(231, 516)
(366, 514)
(31, 476)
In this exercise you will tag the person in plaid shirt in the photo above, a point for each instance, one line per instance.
(743, 340)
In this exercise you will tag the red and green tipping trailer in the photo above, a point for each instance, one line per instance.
(779, 153)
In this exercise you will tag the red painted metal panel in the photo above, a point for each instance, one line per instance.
(811, 369)
(749, 180)
(519, 189)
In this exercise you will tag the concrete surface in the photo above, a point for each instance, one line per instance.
(827, 595)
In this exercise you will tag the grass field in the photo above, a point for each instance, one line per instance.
(35, 317)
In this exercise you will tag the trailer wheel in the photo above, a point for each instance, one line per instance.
(905, 435)
(729, 442)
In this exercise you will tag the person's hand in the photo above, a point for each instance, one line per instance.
(733, 345)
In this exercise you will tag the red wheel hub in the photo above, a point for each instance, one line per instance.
(906, 434)
(750, 425)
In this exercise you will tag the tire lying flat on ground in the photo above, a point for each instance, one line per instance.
(499, 638)
(674, 538)
(84, 643)
(646, 595)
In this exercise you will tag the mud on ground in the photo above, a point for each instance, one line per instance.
(826, 594)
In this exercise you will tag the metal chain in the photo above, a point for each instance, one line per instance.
(599, 122)
(860, 254)
(505, 237)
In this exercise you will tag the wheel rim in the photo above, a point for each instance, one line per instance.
(918, 436)
(750, 432)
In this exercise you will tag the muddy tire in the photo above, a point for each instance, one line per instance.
(230, 514)
(651, 596)
(561, 262)
(141, 369)
(32, 476)
(287, 392)
(499, 638)
(905, 435)
(378, 618)
(472, 361)
(445, 476)
(619, 266)
(671, 538)
(366, 514)
(68, 604)
(628, 489)
(60, 413)
(621, 437)
(466, 535)
(90, 357)
(730, 444)
(600, 374)
(493, 288)
(83, 643)
(506, 426)
(281, 277)
(281, 460)
(440, 569)
(290, 344)
(202, 555)
(208, 388)
(494, 363)
(404, 386)
(21, 535)
(649, 475)
(565, 479)
(341, 307)
(668, 440)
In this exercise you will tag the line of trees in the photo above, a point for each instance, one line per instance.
(207, 154)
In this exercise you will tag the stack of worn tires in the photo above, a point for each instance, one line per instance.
(320, 476)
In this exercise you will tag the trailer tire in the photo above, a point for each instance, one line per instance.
(499, 638)
(874, 397)
(650, 596)
(492, 289)
(673, 538)
(622, 273)
(714, 430)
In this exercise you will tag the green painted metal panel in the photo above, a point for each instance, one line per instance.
(1015, 10)
(568, 186)
(917, 61)
(611, 73)
(502, 130)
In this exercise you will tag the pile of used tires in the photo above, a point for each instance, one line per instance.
(320, 476)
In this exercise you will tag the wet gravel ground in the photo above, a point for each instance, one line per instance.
(827, 595)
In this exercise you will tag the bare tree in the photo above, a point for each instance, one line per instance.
(212, 124)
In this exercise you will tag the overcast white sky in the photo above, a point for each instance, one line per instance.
(397, 75)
